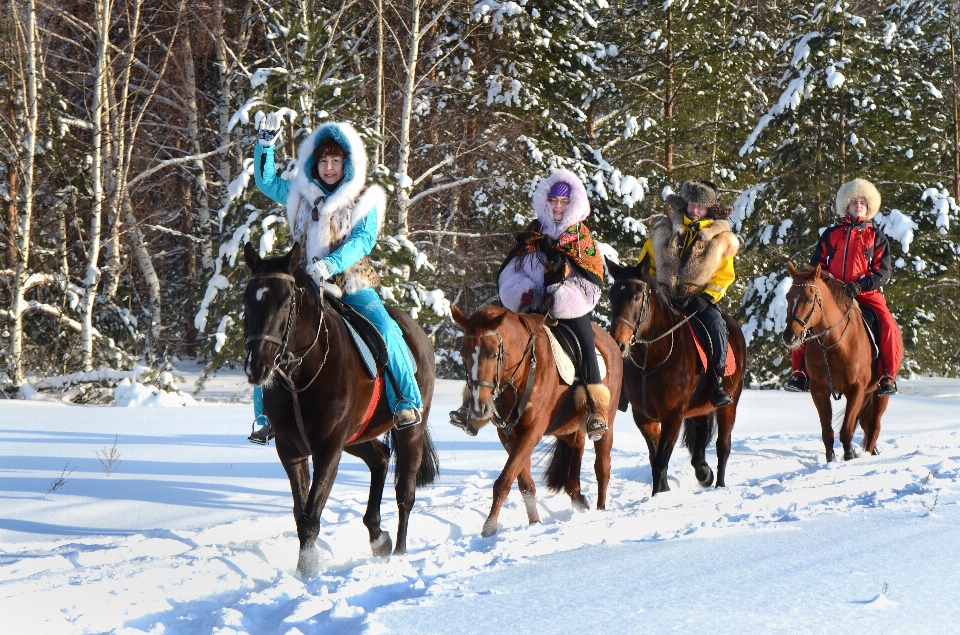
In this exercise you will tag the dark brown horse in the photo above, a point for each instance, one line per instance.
(839, 358)
(293, 336)
(500, 348)
(660, 376)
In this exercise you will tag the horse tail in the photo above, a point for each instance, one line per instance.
(692, 431)
(429, 464)
(558, 470)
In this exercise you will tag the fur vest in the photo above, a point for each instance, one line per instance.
(685, 277)
(321, 222)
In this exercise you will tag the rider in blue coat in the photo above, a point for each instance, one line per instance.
(336, 219)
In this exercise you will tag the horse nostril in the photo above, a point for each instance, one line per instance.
(622, 346)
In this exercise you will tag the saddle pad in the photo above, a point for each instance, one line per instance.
(730, 364)
(371, 408)
(362, 327)
(565, 364)
(872, 324)
(369, 362)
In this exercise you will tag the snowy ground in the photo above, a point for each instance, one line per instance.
(191, 532)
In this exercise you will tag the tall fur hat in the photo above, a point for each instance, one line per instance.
(701, 193)
(858, 188)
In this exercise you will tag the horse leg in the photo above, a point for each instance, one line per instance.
(854, 402)
(520, 451)
(326, 460)
(572, 484)
(409, 445)
(376, 455)
(298, 473)
(601, 465)
(668, 439)
(870, 421)
(696, 436)
(725, 420)
(528, 490)
(821, 400)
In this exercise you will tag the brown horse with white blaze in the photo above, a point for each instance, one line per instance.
(661, 377)
(838, 356)
(513, 379)
(317, 393)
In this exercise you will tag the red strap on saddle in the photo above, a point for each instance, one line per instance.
(730, 364)
(368, 415)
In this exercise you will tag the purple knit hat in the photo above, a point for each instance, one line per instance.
(560, 188)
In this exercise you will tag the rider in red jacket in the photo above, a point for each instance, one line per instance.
(857, 253)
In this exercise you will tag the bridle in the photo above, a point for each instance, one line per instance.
(286, 362)
(498, 387)
(819, 338)
(635, 338)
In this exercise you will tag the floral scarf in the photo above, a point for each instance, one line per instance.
(574, 250)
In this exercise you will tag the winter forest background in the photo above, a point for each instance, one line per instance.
(128, 129)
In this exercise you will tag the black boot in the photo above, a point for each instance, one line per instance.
(888, 386)
(799, 382)
(460, 418)
(262, 435)
(719, 397)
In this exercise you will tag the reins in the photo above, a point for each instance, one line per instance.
(820, 338)
(285, 363)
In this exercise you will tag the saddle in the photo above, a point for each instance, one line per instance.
(567, 353)
(366, 338)
(872, 324)
(703, 343)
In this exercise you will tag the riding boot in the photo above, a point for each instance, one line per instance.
(593, 402)
(888, 386)
(719, 396)
(263, 434)
(799, 382)
(460, 418)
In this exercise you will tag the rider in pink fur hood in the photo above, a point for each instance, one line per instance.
(521, 280)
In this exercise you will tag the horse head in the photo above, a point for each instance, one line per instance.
(487, 335)
(631, 298)
(269, 310)
(803, 302)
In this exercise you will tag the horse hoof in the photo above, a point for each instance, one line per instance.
(705, 476)
(580, 503)
(831, 457)
(382, 546)
(308, 564)
(849, 455)
(489, 529)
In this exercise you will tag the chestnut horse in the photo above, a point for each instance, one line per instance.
(660, 375)
(500, 349)
(841, 362)
(316, 394)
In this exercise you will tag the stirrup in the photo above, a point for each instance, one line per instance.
(407, 423)
(596, 426)
(458, 419)
(799, 382)
(261, 436)
(887, 389)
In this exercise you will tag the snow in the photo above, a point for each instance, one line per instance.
(192, 532)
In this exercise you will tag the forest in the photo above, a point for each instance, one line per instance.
(128, 129)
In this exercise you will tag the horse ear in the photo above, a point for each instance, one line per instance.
(614, 269)
(293, 257)
(458, 317)
(250, 255)
(644, 266)
(817, 272)
(791, 269)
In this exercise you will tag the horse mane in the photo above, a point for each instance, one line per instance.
(834, 286)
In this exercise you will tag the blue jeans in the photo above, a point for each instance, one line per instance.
(401, 363)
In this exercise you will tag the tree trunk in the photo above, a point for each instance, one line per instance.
(23, 224)
(406, 112)
(142, 255)
(92, 273)
(955, 15)
(668, 102)
(200, 194)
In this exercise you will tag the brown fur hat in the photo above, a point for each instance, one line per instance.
(858, 188)
(701, 193)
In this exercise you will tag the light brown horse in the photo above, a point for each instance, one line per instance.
(500, 349)
(838, 356)
(660, 375)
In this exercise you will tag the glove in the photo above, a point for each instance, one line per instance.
(696, 304)
(527, 301)
(318, 271)
(271, 129)
(853, 289)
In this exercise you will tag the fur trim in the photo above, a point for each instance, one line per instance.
(573, 297)
(373, 197)
(858, 188)
(599, 394)
(713, 244)
(701, 194)
(577, 211)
